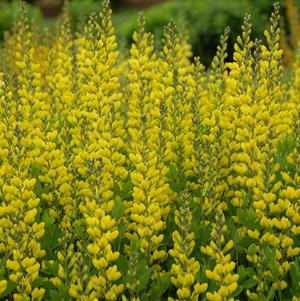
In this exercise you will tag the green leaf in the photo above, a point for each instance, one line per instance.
(38, 190)
(248, 218)
(127, 190)
(144, 278)
(271, 293)
(195, 225)
(249, 283)
(38, 282)
(50, 269)
(245, 273)
(135, 245)
(272, 263)
(54, 295)
(172, 173)
(251, 250)
(79, 228)
(244, 243)
(270, 253)
(182, 180)
(122, 229)
(241, 214)
(122, 264)
(48, 285)
(203, 235)
(141, 266)
(118, 210)
(159, 287)
(295, 273)
(49, 241)
(35, 169)
(117, 189)
(175, 186)
(238, 291)
(64, 292)
(60, 121)
(144, 297)
(231, 209)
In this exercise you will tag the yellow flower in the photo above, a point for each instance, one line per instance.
(251, 183)
(33, 269)
(113, 274)
(73, 291)
(38, 293)
(183, 293)
(213, 297)
(212, 275)
(253, 233)
(30, 216)
(12, 265)
(93, 249)
(228, 246)
(3, 286)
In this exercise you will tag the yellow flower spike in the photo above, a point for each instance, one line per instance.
(86, 121)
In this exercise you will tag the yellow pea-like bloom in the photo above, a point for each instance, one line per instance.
(12, 265)
(126, 176)
(38, 294)
(3, 286)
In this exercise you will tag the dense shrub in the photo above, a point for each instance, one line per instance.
(205, 21)
(141, 176)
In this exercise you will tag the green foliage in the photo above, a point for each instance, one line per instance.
(205, 21)
(81, 10)
(10, 11)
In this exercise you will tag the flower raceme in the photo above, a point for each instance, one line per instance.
(142, 176)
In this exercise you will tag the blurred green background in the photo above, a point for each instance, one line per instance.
(204, 20)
